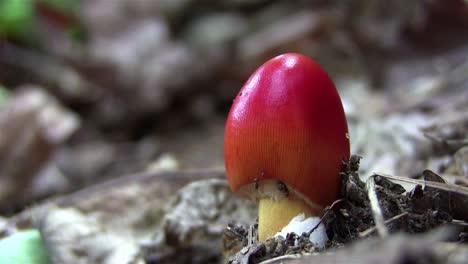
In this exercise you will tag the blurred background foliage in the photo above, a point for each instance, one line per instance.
(138, 85)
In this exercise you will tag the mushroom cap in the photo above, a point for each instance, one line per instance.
(287, 123)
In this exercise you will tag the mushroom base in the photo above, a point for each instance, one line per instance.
(268, 189)
(273, 215)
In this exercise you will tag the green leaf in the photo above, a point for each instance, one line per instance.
(16, 17)
(4, 94)
(24, 247)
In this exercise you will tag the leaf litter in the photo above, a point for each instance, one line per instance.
(379, 206)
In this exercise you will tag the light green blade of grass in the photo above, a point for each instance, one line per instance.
(4, 95)
(24, 247)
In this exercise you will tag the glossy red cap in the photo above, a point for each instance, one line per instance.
(288, 123)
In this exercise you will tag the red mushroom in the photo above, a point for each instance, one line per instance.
(286, 137)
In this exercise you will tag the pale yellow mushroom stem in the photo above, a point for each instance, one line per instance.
(273, 215)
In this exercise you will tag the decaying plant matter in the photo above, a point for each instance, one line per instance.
(379, 206)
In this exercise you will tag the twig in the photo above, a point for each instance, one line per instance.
(459, 222)
(376, 210)
(252, 238)
(388, 221)
(324, 215)
(437, 185)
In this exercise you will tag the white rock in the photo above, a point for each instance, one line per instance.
(300, 224)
